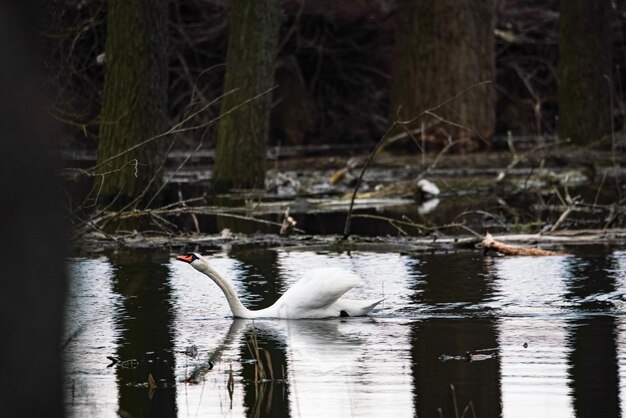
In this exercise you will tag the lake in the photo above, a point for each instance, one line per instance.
(495, 336)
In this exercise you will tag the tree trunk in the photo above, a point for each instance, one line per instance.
(33, 280)
(585, 64)
(444, 47)
(242, 134)
(135, 98)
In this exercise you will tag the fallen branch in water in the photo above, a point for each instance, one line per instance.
(491, 244)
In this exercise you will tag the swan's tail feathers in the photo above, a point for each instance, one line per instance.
(358, 307)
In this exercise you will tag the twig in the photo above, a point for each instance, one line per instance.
(613, 145)
(456, 125)
(293, 27)
(346, 229)
(131, 206)
(420, 227)
(570, 205)
(480, 212)
(561, 219)
(178, 127)
(456, 407)
(517, 158)
(514, 161)
(391, 220)
(439, 106)
(441, 153)
(382, 142)
(194, 218)
(174, 129)
(169, 210)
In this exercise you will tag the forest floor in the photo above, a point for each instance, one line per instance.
(537, 193)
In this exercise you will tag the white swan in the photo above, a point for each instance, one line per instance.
(316, 295)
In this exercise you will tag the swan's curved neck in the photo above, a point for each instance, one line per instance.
(235, 304)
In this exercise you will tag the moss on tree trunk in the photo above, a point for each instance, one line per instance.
(135, 98)
(242, 134)
(443, 47)
(584, 65)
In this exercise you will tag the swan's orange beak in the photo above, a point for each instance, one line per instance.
(185, 258)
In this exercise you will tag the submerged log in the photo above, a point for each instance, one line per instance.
(491, 244)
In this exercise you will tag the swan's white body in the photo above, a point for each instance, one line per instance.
(316, 295)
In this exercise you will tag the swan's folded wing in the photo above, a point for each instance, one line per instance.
(319, 288)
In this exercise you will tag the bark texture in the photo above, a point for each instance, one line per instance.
(242, 133)
(585, 64)
(135, 97)
(443, 47)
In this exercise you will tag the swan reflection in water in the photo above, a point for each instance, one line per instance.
(335, 366)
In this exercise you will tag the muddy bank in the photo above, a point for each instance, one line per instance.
(566, 241)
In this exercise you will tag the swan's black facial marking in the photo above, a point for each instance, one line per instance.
(344, 314)
(189, 258)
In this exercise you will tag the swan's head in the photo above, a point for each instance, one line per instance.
(195, 259)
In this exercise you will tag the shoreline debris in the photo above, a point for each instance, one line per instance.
(489, 243)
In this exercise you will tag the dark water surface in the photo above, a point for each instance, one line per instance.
(546, 337)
